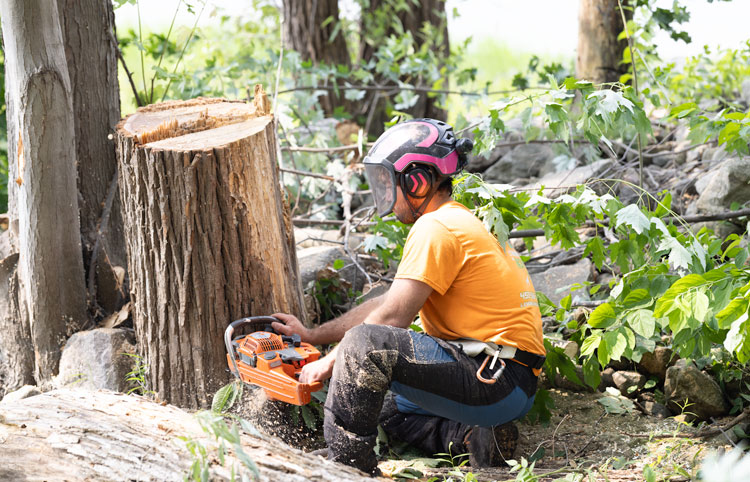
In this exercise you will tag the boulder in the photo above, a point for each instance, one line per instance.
(522, 161)
(98, 359)
(656, 363)
(724, 184)
(607, 379)
(556, 281)
(628, 382)
(573, 177)
(684, 383)
(318, 258)
(25, 391)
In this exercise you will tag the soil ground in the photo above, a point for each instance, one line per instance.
(582, 438)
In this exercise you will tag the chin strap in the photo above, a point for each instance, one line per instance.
(417, 213)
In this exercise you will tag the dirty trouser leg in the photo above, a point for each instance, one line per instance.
(429, 372)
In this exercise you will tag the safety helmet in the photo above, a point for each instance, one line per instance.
(414, 155)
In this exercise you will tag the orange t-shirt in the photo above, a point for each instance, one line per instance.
(481, 290)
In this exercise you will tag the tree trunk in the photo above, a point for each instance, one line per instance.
(412, 20)
(101, 435)
(48, 228)
(209, 238)
(599, 51)
(305, 33)
(88, 27)
(16, 348)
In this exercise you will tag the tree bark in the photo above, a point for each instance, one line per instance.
(599, 52)
(304, 33)
(101, 435)
(49, 243)
(16, 348)
(88, 28)
(209, 238)
(373, 32)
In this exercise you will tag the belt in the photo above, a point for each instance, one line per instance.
(529, 359)
(475, 348)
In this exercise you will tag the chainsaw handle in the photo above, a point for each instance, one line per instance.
(229, 333)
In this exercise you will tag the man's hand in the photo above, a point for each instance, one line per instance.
(290, 325)
(317, 371)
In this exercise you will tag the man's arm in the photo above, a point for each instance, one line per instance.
(331, 331)
(397, 307)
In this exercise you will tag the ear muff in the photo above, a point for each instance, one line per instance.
(417, 182)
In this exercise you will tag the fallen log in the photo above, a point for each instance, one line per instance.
(100, 435)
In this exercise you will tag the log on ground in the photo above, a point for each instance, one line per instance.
(209, 238)
(100, 435)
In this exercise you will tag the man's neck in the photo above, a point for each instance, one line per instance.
(439, 199)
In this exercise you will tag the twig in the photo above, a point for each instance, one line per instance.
(580, 451)
(567, 415)
(103, 223)
(307, 173)
(278, 69)
(163, 49)
(138, 100)
(635, 85)
(588, 304)
(184, 48)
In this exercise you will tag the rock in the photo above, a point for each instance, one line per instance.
(607, 379)
(25, 391)
(685, 384)
(714, 154)
(569, 347)
(628, 382)
(724, 184)
(565, 384)
(746, 91)
(573, 177)
(555, 282)
(656, 363)
(523, 161)
(317, 258)
(656, 409)
(97, 359)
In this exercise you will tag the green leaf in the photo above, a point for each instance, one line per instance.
(648, 474)
(590, 344)
(595, 247)
(695, 304)
(616, 342)
(338, 264)
(592, 372)
(683, 110)
(665, 304)
(632, 216)
(642, 322)
(636, 298)
(736, 308)
(308, 417)
(222, 398)
(602, 317)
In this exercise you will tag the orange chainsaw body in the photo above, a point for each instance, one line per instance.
(274, 363)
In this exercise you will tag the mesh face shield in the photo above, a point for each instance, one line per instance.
(382, 181)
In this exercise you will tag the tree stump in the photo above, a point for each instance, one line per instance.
(209, 237)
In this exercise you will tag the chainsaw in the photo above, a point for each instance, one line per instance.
(269, 360)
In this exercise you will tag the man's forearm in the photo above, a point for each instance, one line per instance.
(334, 330)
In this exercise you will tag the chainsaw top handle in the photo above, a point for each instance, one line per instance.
(260, 321)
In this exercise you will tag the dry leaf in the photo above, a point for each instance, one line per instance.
(116, 319)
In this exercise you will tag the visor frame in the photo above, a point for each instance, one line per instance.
(381, 190)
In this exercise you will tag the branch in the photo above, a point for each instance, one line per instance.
(408, 88)
(698, 218)
(307, 174)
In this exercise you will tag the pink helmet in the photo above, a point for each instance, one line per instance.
(415, 155)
